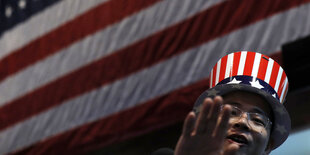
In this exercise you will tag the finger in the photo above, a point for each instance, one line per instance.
(189, 124)
(222, 126)
(219, 99)
(214, 114)
(201, 123)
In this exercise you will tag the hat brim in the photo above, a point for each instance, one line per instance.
(281, 124)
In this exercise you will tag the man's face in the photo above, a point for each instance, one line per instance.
(247, 131)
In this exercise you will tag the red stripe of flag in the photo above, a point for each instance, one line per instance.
(88, 23)
(214, 75)
(180, 38)
(236, 62)
(263, 67)
(223, 68)
(249, 63)
(274, 74)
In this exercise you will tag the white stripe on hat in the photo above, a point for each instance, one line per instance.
(283, 91)
(269, 69)
(276, 87)
(257, 59)
(242, 63)
(229, 66)
(218, 69)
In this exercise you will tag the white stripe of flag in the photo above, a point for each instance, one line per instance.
(242, 63)
(229, 65)
(283, 90)
(218, 68)
(268, 71)
(276, 87)
(257, 59)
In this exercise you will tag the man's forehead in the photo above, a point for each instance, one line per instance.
(250, 101)
(248, 107)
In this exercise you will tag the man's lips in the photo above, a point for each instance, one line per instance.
(238, 138)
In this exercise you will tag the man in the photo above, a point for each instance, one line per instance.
(242, 112)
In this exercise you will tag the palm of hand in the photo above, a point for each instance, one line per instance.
(207, 134)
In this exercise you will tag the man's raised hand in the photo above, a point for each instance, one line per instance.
(205, 133)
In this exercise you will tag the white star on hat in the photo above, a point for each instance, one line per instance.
(281, 129)
(256, 84)
(234, 81)
(274, 95)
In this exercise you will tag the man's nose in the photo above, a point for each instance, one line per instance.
(241, 123)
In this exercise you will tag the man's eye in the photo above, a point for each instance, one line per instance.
(234, 112)
(258, 121)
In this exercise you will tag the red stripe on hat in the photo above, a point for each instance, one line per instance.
(278, 52)
(281, 85)
(236, 63)
(214, 76)
(263, 67)
(223, 68)
(249, 63)
(274, 74)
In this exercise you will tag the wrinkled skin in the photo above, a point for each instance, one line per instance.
(207, 133)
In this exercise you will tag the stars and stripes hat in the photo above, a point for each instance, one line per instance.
(253, 72)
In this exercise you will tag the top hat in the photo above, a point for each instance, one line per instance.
(257, 73)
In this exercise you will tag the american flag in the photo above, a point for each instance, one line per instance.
(78, 75)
